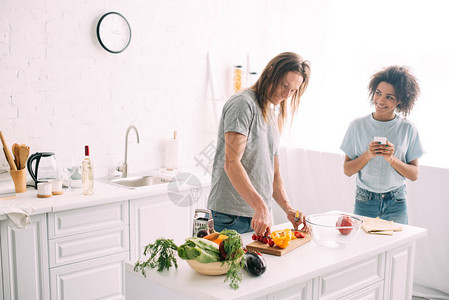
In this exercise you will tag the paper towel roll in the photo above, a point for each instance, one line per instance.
(172, 154)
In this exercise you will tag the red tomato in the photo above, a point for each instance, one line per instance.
(299, 234)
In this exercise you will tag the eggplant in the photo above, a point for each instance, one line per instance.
(255, 263)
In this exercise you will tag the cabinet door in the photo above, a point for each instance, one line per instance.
(301, 291)
(399, 272)
(155, 217)
(101, 278)
(25, 260)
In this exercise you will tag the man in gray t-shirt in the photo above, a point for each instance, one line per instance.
(245, 175)
(241, 114)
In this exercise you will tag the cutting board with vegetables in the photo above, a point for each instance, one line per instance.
(265, 248)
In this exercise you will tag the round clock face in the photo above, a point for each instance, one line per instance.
(113, 32)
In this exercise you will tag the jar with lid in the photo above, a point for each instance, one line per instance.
(238, 78)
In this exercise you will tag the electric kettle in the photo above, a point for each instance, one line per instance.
(44, 168)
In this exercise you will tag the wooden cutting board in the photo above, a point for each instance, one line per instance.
(265, 248)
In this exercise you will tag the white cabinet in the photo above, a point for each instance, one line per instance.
(301, 291)
(358, 275)
(25, 260)
(154, 217)
(373, 292)
(87, 250)
(399, 272)
(167, 215)
(101, 278)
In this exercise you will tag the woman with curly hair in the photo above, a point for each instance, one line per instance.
(245, 174)
(383, 165)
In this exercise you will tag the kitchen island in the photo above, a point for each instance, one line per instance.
(372, 267)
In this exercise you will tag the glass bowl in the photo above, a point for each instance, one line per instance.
(325, 231)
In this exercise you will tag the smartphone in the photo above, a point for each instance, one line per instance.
(381, 139)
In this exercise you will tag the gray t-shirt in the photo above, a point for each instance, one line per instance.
(242, 114)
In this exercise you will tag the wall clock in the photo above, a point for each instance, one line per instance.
(113, 32)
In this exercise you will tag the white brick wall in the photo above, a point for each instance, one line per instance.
(59, 90)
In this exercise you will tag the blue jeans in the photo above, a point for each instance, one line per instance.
(225, 221)
(390, 206)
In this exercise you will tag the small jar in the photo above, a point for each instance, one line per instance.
(252, 78)
(238, 78)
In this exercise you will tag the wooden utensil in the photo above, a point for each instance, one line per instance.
(8, 155)
(16, 153)
(265, 248)
(24, 153)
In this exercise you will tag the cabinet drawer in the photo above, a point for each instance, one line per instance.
(354, 277)
(90, 245)
(373, 292)
(101, 278)
(87, 219)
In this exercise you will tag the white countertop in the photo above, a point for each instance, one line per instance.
(297, 266)
(103, 193)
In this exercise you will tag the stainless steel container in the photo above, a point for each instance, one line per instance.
(202, 220)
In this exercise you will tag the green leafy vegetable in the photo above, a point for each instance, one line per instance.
(233, 247)
(199, 249)
(161, 256)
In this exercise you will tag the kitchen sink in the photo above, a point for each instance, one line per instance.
(136, 181)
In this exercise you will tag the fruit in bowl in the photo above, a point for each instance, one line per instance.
(344, 225)
(335, 230)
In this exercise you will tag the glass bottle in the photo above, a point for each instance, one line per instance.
(87, 173)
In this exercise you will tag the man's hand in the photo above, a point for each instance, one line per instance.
(261, 222)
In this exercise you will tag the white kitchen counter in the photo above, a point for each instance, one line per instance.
(309, 263)
(103, 193)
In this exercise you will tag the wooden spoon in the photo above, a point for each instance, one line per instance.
(16, 153)
(24, 153)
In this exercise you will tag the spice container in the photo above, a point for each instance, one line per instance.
(238, 78)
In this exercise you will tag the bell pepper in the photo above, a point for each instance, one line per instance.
(281, 238)
(220, 239)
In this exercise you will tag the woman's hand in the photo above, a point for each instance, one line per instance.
(387, 151)
(373, 150)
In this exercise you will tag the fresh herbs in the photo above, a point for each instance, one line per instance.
(162, 256)
(233, 247)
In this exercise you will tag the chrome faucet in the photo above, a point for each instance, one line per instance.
(124, 168)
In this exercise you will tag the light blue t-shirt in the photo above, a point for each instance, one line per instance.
(377, 175)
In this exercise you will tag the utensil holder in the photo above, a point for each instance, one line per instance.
(19, 178)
